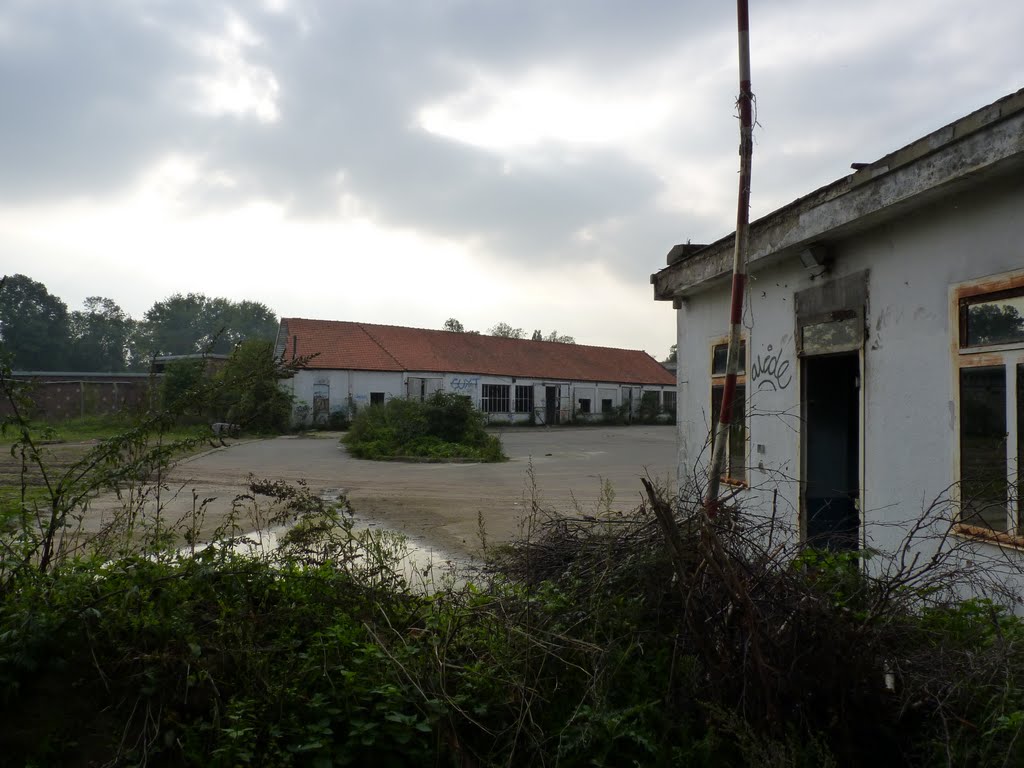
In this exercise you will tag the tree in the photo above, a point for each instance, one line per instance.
(247, 388)
(33, 325)
(101, 336)
(672, 354)
(453, 325)
(993, 323)
(181, 325)
(553, 336)
(506, 331)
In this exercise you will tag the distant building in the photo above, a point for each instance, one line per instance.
(883, 362)
(511, 380)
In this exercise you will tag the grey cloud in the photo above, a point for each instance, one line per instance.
(103, 95)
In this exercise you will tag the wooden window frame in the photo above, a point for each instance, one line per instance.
(1007, 356)
(717, 382)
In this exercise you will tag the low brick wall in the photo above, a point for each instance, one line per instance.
(69, 395)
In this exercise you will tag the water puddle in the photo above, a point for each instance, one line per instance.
(424, 567)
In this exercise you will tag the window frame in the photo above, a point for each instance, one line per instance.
(378, 398)
(718, 383)
(523, 404)
(669, 398)
(1010, 358)
(494, 398)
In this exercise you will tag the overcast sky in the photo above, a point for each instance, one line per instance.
(402, 162)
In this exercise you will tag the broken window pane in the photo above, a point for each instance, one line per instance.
(992, 319)
(983, 478)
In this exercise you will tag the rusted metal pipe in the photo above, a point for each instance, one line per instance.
(739, 261)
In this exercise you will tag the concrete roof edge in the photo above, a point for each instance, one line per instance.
(689, 274)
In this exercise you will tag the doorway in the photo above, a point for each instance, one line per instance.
(832, 451)
(550, 405)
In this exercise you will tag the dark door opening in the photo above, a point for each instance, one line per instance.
(551, 405)
(832, 451)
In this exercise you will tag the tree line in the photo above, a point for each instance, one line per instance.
(40, 334)
(504, 330)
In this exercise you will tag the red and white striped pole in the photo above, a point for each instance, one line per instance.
(739, 265)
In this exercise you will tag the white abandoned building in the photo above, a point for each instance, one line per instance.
(884, 345)
(510, 380)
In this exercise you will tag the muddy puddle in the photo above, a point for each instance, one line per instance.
(425, 567)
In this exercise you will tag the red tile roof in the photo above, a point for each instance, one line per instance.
(366, 347)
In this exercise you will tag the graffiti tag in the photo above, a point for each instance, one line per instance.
(770, 371)
(459, 384)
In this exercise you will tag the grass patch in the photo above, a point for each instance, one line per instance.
(91, 428)
(444, 427)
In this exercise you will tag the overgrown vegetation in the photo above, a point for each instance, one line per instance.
(445, 426)
(245, 391)
(658, 637)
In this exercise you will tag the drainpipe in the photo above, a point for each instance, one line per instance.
(739, 266)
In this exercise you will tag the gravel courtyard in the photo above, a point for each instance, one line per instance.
(437, 505)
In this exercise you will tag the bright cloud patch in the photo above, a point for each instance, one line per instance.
(544, 106)
(236, 86)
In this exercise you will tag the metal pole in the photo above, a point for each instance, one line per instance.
(739, 266)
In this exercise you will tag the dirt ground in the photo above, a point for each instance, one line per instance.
(437, 505)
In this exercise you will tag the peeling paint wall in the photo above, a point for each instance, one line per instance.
(908, 386)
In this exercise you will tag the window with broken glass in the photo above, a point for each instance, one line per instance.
(736, 464)
(990, 381)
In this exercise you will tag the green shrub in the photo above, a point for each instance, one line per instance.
(445, 426)
(247, 390)
(184, 390)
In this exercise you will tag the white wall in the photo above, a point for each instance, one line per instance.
(342, 385)
(910, 427)
(356, 386)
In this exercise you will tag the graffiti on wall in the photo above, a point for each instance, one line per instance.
(769, 371)
(464, 383)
